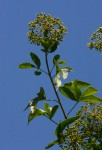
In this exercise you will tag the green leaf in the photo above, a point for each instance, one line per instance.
(80, 84)
(56, 57)
(27, 107)
(41, 94)
(73, 86)
(51, 144)
(62, 62)
(91, 99)
(54, 47)
(37, 113)
(47, 108)
(53, 111)
(26, 65)
(67, 92)
(37, 73)
(63, 125)
(89, 91)
(68, 68)
(35, 59)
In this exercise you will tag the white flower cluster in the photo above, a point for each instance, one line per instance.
(57, 80)
(32, 108)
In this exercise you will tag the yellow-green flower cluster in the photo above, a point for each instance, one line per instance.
(96, 40)
(86, 132)
(46, 30)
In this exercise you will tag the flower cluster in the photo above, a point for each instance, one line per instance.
(57, 80)
(86, 132)
(96, 40)
(46, 30)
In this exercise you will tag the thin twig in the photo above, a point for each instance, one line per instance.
(52, 100)
(52, 68)
(72, 109)
(49, 73)
(41, 70)
(51, 120)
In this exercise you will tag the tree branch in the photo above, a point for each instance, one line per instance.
(49, 73)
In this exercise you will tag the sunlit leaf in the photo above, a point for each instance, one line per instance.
(63, 125)
(35, 59)
(37, 113)
(89, 91)
(26, 65)
(53, 111)
(47, 108)
(62, 62)
(51, 144)
(91, 98)
(68, 93)
(80, 84)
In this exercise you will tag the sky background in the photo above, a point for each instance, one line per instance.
(17, 86)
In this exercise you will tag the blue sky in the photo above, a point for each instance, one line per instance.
(17, 86)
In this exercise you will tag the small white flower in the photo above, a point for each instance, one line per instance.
(32, 109)
(64, 73)
(57, 81)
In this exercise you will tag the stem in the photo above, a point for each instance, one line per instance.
(41, 70)
(52, 68)
(52, 100)
(49, 73)
(72, 109)
(51, 120)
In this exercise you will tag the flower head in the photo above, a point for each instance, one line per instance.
(57, 80)
(46, 29)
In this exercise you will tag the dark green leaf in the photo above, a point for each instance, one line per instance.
(37, 73)
(26, 66)
(54, 47)
(35, 59)
(51, 144)
(89, 91)
(89, 120)
(41, 94)
(38, 112)
(68, 93)
(91, 99)
(27, 107)
(63, 125)
(53, 111)
(56, 57)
